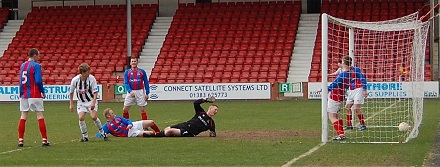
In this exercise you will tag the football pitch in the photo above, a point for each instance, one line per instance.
(249, 133)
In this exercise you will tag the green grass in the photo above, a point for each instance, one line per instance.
(250, 133)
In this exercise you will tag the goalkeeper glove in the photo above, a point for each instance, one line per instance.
(212, 134)
(210, 99)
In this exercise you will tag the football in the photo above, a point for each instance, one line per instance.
(403, 127)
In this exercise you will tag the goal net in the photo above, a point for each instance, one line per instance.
(391, 55)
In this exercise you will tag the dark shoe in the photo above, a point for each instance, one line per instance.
(105, 137)
(46, 144)
(348, 128)
(20, 143)
(84, 139)
(339, 138)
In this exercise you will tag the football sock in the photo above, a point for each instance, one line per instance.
(155, 128)
(21, 128)
(338, 127)
(126, 115)
(361, 119)
(98, 125)
(144, 115)
(43, 131)
(83, 128)
(349, 118)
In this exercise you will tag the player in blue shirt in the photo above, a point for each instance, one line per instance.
(336, 97)
(356, 94)
(31, 96)
(122, 127)
(138, 88)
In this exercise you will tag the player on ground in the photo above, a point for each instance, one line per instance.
(336, 96)
(31, 96)
(123, 127)
(356, 94)
(87, 94)
(138, 88)
(202, 121)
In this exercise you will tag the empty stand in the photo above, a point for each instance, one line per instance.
(70, 35)
(229, 42)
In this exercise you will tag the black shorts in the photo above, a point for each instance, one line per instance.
(184, 129)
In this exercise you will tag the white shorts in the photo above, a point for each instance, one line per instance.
(85, 106)
(355, 96)
(333, 106)
(139, 98)
(136, 129)
(31, 104)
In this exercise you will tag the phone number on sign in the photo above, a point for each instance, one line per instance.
(203, 95)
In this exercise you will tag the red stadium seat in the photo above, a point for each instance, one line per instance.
(86, 38)
(228, 51)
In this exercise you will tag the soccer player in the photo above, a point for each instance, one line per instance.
(31, 96)
(339, 70)
(336, 95)
(87, 93)
(123, 127)
(200, 122)
(138, 88)
(357, 91)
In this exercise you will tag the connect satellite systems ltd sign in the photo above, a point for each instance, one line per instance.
(218, 90)
(53, 93)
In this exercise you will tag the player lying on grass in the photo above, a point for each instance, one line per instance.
(123, 127)
(200, 122)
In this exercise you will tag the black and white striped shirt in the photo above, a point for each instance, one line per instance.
(84, 89)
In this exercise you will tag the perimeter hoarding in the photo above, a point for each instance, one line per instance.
(218, 90)
(384, 90)
(53, 93)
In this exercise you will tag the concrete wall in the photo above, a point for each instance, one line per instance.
(167, 8)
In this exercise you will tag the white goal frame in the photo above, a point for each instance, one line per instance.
(416, 71)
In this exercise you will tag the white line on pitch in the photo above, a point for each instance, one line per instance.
(10, 151)
(303, 155)
(288, 164)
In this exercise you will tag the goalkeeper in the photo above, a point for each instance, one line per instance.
(200, 122)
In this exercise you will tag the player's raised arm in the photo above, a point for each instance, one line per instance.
(197, 107)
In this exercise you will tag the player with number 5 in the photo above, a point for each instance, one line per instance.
(31, 96)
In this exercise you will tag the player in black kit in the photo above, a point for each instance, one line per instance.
(202, 121)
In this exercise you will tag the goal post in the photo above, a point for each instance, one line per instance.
(391, 56)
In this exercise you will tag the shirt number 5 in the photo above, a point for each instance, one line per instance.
(24, 77)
